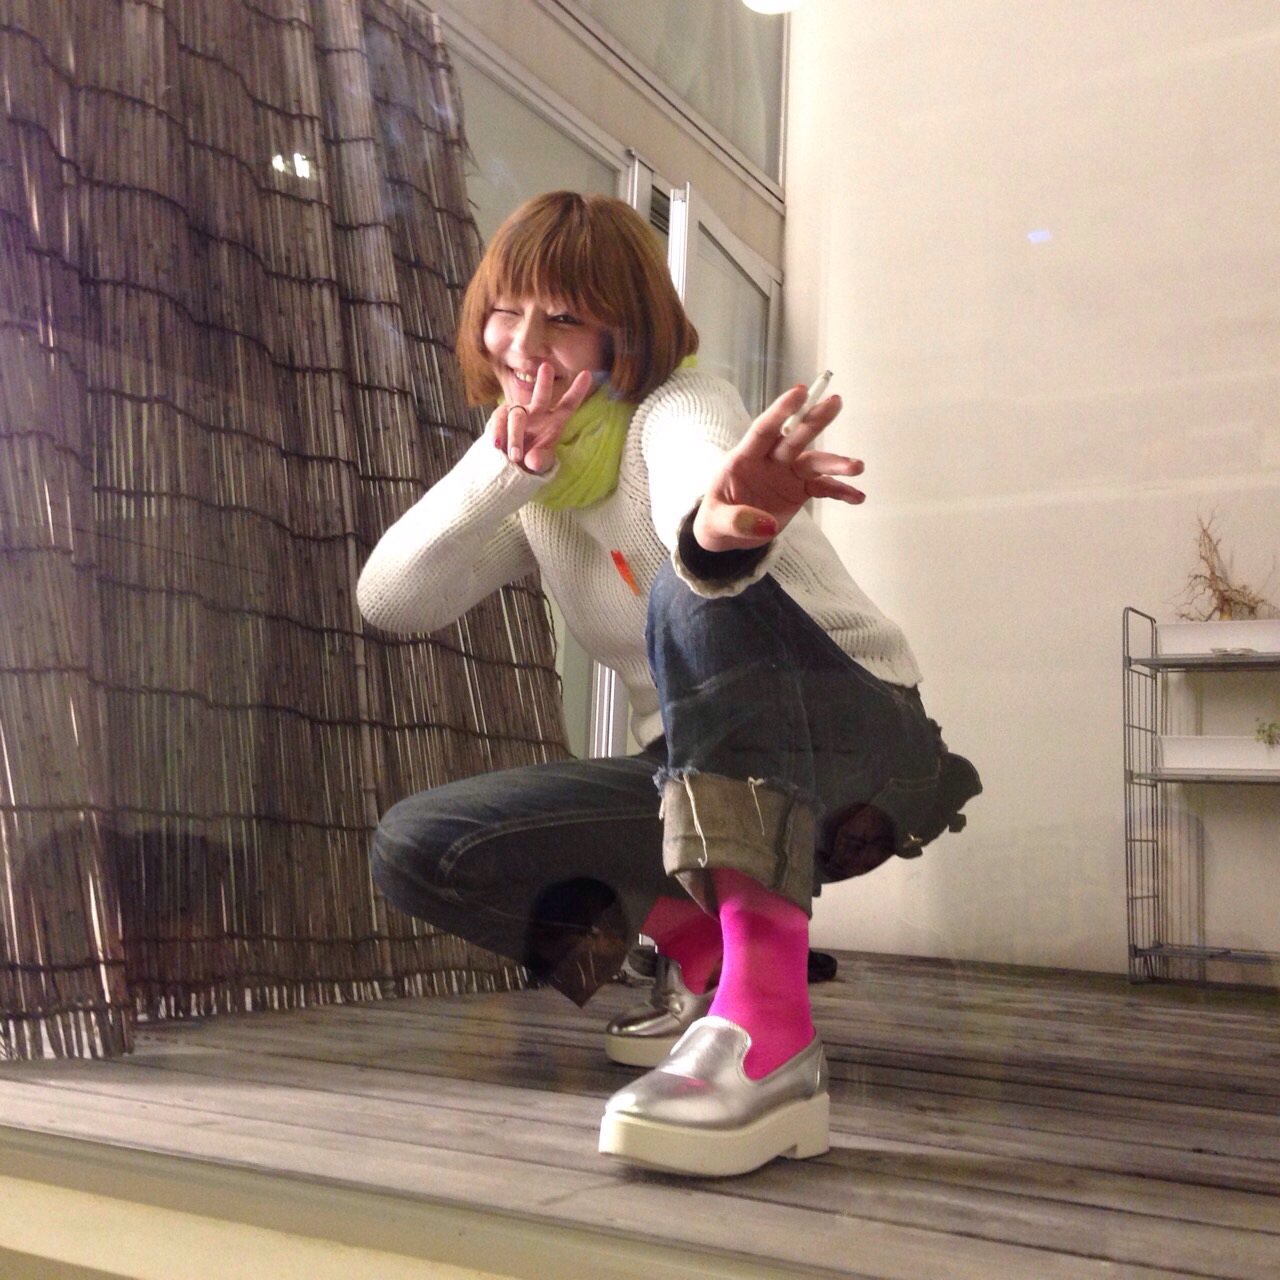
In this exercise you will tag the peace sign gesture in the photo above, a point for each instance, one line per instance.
(768, 477)
(527, 434)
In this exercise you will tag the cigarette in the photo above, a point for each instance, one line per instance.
(815, 394)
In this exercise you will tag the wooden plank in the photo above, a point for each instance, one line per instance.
(1005, 1055)
(1231, 1014)
(362, 1218)
(1020, 1212)
(477, 1054)
(262, 1076)
(985, 1123)
(647, 1206)
(853, 1115)
(96, 1231)
(426, 1051)
(1221, 1089)
(1114, 1049)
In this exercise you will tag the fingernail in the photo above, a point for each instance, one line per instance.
(756, 526)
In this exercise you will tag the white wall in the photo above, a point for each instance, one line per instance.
(1043, 419)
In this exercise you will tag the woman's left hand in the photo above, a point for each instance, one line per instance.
(769, 477)
(527, 434)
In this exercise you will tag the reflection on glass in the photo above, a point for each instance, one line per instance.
(516, 153)
(722, 59)
(732, 314)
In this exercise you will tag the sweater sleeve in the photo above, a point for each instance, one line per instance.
(458, 543)
(694, 422)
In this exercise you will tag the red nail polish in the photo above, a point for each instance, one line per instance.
(764, 527)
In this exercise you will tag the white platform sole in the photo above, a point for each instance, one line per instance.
(795, 1131)
(638, 1051)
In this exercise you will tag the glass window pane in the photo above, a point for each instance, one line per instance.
(723, 59)
(516, 153)
(732, 317)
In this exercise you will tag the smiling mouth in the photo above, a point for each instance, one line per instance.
(520, 387)
(526, 381)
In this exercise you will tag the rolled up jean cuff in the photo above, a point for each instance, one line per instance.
(763, 829)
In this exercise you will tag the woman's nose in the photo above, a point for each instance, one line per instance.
(530, 335)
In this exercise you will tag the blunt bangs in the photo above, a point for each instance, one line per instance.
(596, 255)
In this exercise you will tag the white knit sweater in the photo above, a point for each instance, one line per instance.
(478, 529)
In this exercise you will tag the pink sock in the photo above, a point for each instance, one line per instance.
(683, 932)
(764, 984)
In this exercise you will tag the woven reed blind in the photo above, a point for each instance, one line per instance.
(233, 236)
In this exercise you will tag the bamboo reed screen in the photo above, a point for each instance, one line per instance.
(233, 236)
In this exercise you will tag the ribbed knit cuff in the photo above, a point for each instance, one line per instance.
(718, 573)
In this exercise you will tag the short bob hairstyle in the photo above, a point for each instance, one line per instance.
(597, 256)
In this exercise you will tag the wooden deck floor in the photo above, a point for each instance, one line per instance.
(987, 1122)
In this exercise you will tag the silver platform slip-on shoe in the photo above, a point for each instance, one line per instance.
(643, 1036)
(698, 1112)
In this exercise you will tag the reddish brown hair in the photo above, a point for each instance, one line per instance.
(596, 255)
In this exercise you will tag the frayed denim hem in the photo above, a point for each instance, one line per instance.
(760, 827)
(664, 775)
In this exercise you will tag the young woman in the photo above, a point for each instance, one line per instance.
(775, 702)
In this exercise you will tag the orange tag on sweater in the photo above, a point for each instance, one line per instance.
(620, 563)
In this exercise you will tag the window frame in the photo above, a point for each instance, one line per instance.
(608, 713)
(588, 29)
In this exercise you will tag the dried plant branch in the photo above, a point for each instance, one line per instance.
(1210, 593)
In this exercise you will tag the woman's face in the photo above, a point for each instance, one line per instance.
(523, 333)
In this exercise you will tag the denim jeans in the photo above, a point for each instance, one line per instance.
(772, 733)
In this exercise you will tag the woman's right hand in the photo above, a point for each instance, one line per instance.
(768, 477)
(527, 434)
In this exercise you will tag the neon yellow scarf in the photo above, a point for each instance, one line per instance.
(589, 451)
